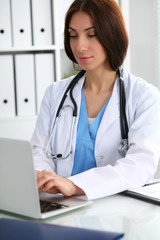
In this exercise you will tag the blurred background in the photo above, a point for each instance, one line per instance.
(32, 55)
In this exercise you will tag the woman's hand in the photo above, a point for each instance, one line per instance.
(51, 183)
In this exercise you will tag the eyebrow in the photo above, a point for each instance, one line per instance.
(84, 29)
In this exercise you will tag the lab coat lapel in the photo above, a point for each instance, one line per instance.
(111, 113)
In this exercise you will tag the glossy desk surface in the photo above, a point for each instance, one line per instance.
(137, 219)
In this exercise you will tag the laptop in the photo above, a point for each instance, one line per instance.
(18, 187)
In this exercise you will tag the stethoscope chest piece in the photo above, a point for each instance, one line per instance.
(123, 147)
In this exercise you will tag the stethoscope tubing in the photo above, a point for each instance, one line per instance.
(123, 119)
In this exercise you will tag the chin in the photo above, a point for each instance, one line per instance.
(86, 68)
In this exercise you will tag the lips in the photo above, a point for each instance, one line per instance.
(84, 59)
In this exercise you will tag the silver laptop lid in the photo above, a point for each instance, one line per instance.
(18, 190)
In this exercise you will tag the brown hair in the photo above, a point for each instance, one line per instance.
(109, 27)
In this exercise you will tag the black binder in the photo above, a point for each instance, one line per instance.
(28, 230)
(144, 196)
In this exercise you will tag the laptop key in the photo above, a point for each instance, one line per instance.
(50, 206)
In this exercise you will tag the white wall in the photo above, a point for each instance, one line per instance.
(157, 41)
(125, 7)
(142, 39)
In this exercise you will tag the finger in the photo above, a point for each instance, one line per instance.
(49, 187)
(43, 177)
(59, 185)
(52, 191)
(50, 184)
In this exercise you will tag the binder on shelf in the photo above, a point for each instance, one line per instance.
(21, 19)
(59, 18)
(5, 24)
(7, 97)
(22, 229)
(44, 67)
(25, 84)
(42, 22)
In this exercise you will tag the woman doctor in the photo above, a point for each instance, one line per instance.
(96, 39)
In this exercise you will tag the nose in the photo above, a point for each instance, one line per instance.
(82, 44)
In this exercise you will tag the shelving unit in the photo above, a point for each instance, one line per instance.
(33, 45)
(14, 42)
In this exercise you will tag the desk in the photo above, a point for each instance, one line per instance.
(137, 219)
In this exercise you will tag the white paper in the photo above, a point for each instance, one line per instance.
(152, 190)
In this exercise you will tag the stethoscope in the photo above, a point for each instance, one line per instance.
(123, 147)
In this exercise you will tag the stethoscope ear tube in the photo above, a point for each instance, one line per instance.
(70, 87)
(76, 79)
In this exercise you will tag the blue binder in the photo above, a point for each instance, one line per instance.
(27, 230)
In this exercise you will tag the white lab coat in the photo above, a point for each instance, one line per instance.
(113, 173)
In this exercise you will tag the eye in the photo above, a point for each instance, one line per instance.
(72, 36)
(92, 35)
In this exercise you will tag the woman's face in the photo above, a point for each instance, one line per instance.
(86, 48)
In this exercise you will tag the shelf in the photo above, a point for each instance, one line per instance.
(31, 62)
(30, 49)
(18, 118)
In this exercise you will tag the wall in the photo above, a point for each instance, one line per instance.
(142, 39)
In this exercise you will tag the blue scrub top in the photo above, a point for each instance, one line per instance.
(84, 158)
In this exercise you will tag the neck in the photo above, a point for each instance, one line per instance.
(100, 81)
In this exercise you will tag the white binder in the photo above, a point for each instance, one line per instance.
(21, 19)
(42, 22)
(5, 24)
(44, 74)
(7, 98)
(25, 84)
(59, 18)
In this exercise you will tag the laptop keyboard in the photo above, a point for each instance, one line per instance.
(50, 206)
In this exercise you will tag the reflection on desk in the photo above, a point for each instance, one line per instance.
(137, 219)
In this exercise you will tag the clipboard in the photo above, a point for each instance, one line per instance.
(149, 193)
